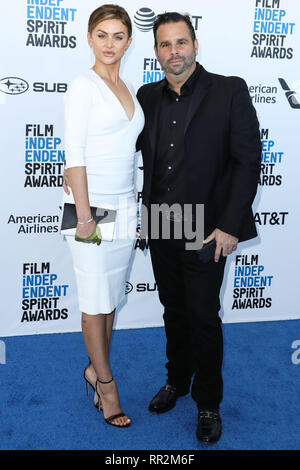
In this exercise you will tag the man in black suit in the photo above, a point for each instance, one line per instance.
(200, 145)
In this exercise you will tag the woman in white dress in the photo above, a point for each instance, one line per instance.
(102, 122)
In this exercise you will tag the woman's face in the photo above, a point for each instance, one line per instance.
(109, 41)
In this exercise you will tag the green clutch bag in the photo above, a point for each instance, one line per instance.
(95, 236)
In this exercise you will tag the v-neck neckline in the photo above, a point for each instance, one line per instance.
(109, 89)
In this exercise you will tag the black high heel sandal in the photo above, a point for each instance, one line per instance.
(110, 419)
(97, 405)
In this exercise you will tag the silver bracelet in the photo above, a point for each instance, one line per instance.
(86, 222)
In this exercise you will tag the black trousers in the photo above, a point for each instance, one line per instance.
(189, 291)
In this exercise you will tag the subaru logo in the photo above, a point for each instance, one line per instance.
(128, 287)
(13, 85)
(144, 18)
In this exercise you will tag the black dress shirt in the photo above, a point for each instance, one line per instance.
(169, 178)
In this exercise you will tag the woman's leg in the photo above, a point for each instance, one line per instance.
(90, 371)
(109, 326)
(96, 331)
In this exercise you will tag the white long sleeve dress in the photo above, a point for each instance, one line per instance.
(99, 136)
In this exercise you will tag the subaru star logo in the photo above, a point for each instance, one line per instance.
(128, 287)
(144, 18)
(13, 85)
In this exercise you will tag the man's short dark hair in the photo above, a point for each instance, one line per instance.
(173, 17)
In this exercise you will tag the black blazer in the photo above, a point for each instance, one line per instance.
(222, 150)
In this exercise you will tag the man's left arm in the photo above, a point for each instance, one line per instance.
(245, 151)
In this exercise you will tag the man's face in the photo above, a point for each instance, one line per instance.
(175, 51)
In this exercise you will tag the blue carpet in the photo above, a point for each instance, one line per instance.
(44, 405)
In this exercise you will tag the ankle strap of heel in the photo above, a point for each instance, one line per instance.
(108, 382)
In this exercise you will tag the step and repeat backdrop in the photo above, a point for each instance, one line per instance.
(43, 46)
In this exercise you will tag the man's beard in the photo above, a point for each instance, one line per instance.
(187, 62)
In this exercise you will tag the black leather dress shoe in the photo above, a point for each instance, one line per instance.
(209, 427)
(165, 399)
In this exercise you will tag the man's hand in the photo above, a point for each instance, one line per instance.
(66, 182)
(226, 243)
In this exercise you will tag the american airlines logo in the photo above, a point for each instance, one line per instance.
(293, 96)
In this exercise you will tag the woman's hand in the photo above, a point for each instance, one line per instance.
(92, 234)
(85, 230)
(66, 182)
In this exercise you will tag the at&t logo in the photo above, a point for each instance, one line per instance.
(144, 18)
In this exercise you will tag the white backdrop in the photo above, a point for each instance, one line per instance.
(43, 46)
